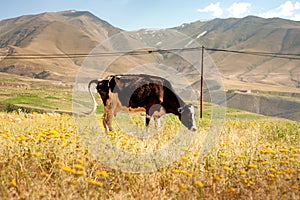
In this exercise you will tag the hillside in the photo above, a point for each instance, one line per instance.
(251, 34)
(51, 33)
(77, 32)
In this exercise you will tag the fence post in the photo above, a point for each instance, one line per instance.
(201, 83)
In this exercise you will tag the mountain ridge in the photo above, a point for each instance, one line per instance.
(74, 32)
(253, 34)
(61, 32)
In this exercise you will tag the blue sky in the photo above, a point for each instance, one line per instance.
(136, 14)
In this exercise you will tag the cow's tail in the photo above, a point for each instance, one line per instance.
(93, 97)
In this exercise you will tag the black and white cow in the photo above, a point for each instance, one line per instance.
(151, 94)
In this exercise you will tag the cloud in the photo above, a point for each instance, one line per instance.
(296, 17)
(239, 9)
(286, 10)
(214, 8)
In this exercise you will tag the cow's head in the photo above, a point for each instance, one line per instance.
(188, 116)
(103, 89)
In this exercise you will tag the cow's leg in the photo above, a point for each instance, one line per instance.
(156, 111)
(104, 121)
(157, 121)
(107, 118)
(148, 117)
(109, 121)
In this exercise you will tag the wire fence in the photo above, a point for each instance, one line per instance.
(290, 56)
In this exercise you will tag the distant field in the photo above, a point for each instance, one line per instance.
(33, 94)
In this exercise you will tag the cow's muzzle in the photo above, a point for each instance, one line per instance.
(193, 129)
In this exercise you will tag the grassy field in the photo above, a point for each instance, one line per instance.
(33, 94)
(42, 156)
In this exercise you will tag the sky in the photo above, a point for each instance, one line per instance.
(156, 14)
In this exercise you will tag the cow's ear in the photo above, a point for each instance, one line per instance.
(180, 110)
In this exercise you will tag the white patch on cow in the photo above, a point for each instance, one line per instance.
(109, 78)
(192, 110)
(157, 123)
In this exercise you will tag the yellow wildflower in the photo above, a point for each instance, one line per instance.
(176, 171)
(184, 158)
(96, 183)
(296, 151)
(224, 155)
(295, 187)
(231, 190)
(272, 170)
(271, 175)
(121, 164)
(102, 173)
(182, 187)
(290, 171)
(57, 163)
(228, 168)
(13, 183)
(241, 156)
(251, 183)
(284, 162)
(77, 166)
(224, 163)
(37, 154)
(280, 172)
(265, 162)
(268, 151)
(292, 159)
(199, 184)
(73, 182)
(284, 150)
(68, 169)
(79, 173)
(79, 161)
(252, 166)
(148, 165)
(182, 171)
(217, 178)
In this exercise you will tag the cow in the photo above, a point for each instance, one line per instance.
(151, 94)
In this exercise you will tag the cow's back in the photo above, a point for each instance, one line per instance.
(139, 90)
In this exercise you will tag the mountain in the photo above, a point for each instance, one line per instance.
(63, 32)
(79, 32)
(251, 34)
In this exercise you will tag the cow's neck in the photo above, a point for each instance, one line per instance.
(172, 102)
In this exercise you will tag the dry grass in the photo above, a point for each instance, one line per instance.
(42, 157)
